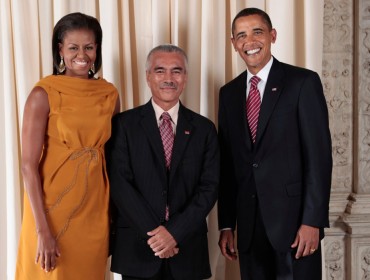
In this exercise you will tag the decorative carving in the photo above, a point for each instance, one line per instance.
(366, 68)
(365, 264)
(337, 79)
(333, 261)
(337, 25)
(366, 10)
(337, 76)
(366, 40)
(364, 98)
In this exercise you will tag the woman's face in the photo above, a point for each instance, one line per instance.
(79, 52)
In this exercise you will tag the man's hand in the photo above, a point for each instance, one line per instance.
(226, 244)
(162, 243)
(306, 241)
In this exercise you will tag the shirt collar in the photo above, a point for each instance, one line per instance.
(263, 73)
(174, 112)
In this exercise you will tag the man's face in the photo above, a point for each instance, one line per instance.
(252, 39)
(166, 78)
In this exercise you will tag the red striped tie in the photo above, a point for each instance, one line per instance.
(167, 136)
(253, 106)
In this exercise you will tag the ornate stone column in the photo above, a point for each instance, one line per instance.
(346, 78)
(337, 80)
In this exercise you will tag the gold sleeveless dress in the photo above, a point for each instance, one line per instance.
(74, 180)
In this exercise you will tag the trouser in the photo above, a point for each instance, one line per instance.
(163, 274)
(262, 262)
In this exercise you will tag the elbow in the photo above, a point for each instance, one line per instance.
(28, 169)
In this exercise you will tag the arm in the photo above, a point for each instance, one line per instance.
(181, 225)
(126, 198)
(228, 190)
(316, 152)
(190, 219)
(35, 119)
(227, 193)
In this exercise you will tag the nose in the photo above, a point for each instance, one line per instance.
(248, 39)
(81, 52)
(168, 76)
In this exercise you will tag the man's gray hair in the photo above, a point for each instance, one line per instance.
(168, 48)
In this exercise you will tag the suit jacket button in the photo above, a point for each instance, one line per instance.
(255, 165)
(253, 196)
(164, 193)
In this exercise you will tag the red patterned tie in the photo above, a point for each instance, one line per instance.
(167, 136)
(253, 106)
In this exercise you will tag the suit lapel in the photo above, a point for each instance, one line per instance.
(184, 130)
(271, 95)
(241, 109)
(150, 127)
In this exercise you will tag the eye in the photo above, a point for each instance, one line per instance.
(73, 48)
(241, 36)
(159, 71)
(89, 48)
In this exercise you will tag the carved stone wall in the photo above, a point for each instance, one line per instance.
(337, 81)
(363, 66)
(346, 80)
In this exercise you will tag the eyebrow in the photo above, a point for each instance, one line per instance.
(74, 44)
(240, 33)
(178, 68)
(163, 68)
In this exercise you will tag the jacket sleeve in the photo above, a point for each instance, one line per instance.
(127, 200)
(316, 152)
(227, 190)
(192, 218)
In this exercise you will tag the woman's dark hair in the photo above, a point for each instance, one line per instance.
(76, 21)
(252, 11)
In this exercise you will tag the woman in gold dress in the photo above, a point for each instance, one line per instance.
(66, 122)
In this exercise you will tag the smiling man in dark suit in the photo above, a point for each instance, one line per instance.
(163, 165)
(276, 160)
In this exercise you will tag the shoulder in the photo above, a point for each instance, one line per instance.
(236, 82)
(110, 86)
(128, 116)
(195, 118)
(295, 71)
(47, 81)
(38, 99)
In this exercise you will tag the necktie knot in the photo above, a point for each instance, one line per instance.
(254, 81)
(165, 116)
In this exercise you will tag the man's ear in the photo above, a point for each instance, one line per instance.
(233, 42)
(273, 35)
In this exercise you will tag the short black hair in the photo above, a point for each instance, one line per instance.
(76, 21)
(252, 11)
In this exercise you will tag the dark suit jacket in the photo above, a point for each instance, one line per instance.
(289, 167)
(140, 188)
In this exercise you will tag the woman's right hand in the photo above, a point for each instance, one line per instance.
(47, 251)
